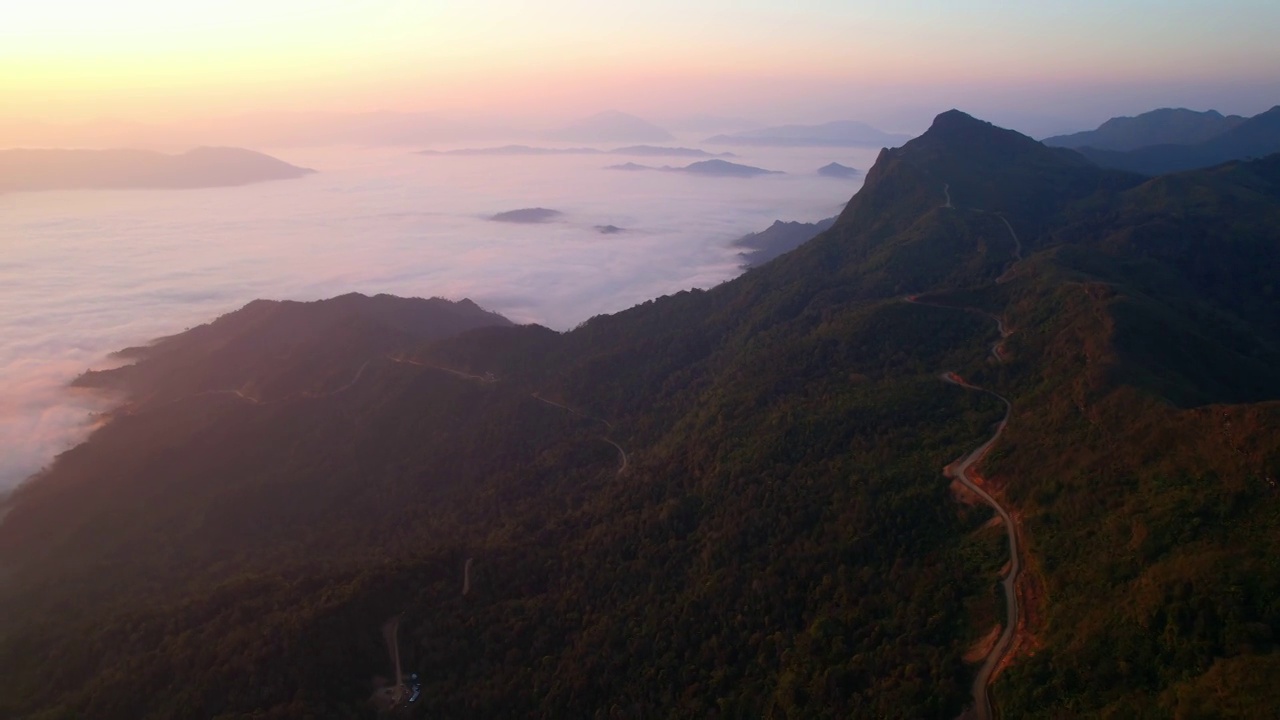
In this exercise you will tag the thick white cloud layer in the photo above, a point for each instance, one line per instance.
(84, 273)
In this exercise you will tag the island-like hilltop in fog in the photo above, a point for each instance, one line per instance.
(29, 170)
(713, 168)
(836, 170)
(527, 215)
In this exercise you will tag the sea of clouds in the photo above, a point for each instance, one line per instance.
(83, 273)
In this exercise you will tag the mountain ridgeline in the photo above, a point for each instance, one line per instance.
(723, 503)
(1166, 141)
(1166, 126)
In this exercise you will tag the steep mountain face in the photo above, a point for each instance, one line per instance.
(725, 502)
(1166, 126)
(1256, 137)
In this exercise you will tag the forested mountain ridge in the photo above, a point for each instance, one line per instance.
(1255, 137)
(725, 502)
(1165, 126)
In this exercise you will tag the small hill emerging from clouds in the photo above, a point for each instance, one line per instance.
(843, 133)
(611, 126)
(1166, 126)
(836, 170)
(527, 215)
(711, 168)
(720, 168)
(31, 170)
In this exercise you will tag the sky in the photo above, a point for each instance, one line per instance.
(895, 64)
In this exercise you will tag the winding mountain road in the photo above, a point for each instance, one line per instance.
(962, 470)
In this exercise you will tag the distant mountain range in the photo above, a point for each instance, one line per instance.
(1237, 139)
(28, 170)
(610, 126)
(639, 150)
(715, 168)
(845, 133)
(1166, 126)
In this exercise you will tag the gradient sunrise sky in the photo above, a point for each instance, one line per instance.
(166, 60)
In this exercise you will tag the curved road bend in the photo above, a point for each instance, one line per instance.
(622, 454)
(999, 321)
(1017, 244)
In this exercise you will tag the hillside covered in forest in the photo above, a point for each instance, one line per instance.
(721, 503)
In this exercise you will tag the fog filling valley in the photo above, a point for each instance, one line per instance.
(85, 273)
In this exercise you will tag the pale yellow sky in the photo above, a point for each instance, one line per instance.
(166, 60)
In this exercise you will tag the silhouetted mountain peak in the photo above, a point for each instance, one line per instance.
(961, 132)
(953, 120)
(967, 163)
